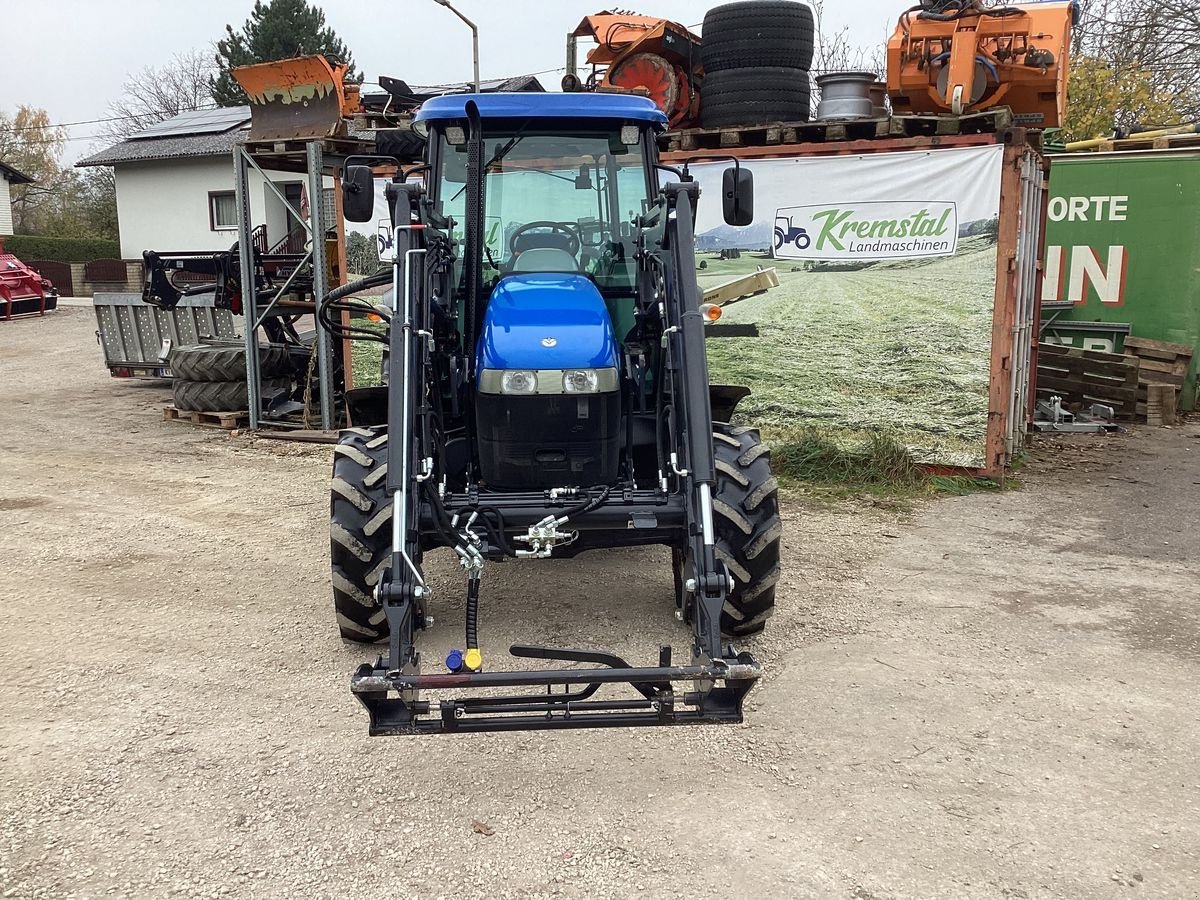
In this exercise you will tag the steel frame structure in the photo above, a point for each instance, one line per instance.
(312, 162)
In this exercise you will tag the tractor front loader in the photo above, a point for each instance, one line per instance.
(548, 394)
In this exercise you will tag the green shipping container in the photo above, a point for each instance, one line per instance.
(1123, 252)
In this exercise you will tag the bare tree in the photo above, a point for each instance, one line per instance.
(1149, 50)
(158, 93)
(835, 52)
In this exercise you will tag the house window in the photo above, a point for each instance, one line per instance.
(222, 210)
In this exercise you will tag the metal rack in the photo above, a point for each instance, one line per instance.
(315, 159)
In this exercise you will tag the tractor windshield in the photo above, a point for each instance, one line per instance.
(554, 201)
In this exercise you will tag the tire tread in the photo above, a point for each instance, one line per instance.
(748, 541)
(360, 545)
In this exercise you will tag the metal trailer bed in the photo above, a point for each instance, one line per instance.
(136, 337)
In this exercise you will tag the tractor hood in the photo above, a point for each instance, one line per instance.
(546, 320)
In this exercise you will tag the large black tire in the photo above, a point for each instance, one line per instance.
(225, 362)
(754, 96)
(360, 532)
(221, 396)
(747, 526)
(757, 33)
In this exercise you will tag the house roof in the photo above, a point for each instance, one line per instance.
(12, 176)
(175, 145)
(201, 133)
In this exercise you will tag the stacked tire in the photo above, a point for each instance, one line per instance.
(212, 377)
(756, 57)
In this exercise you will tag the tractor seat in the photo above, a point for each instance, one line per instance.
(545, 259)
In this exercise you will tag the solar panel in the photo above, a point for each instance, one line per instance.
(200, 121)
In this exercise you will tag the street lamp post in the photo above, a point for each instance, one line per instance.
(474, 37)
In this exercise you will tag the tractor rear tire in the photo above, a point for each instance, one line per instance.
(758, 33)
(225, 362)
(747, 526)
(221, 396)
(754, 96)
(360, 532)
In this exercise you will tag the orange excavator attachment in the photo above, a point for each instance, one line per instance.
(949, 56)
(647, 55)
(297, 99)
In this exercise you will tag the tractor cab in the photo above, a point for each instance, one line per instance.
(564, 180)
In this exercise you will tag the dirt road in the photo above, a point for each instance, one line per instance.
(992, 696)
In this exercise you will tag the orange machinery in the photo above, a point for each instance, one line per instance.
(640, 53)
(958, 56)
(301, 98)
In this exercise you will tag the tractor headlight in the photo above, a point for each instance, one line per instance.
(519, 381)
(523, 382)
(580, 381)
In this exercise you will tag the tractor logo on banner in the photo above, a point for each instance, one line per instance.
(866, 230)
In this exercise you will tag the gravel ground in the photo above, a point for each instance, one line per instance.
(989, 696)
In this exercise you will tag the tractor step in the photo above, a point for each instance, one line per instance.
(718, 690)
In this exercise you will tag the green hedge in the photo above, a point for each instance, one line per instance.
(31, 246)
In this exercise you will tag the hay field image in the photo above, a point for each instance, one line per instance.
(900, 348)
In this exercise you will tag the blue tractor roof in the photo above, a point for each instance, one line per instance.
(530, 105)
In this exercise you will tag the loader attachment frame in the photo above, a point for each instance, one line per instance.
(654, 700)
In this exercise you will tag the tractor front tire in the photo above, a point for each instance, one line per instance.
(747, 526)
(360, 532)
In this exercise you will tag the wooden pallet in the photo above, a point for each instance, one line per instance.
(775, 133)
(1163, 142)
(989, 121)
(226, 420)
(1159, 362)
(1084, 377)
(830, 131)
(1160, 404)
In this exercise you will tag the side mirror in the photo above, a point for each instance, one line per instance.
(737, 196)
(358, 193)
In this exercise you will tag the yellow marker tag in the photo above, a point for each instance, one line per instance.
(473, 660)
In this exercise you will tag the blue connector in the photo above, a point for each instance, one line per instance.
(454, 660)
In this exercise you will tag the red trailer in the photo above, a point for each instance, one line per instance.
(23, 292)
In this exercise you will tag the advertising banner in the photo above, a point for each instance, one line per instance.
(883, 318)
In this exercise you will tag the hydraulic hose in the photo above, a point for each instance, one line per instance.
(326, 321)
(383, 276)
(587, 506)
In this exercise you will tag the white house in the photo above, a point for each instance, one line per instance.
(175, 185)
(9, 175)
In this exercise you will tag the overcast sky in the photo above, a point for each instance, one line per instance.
(75, 54)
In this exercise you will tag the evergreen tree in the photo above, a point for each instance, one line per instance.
(276, 29)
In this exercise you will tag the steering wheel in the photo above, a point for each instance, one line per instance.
(571, 243)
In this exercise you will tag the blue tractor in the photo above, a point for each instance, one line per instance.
(547, 394)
